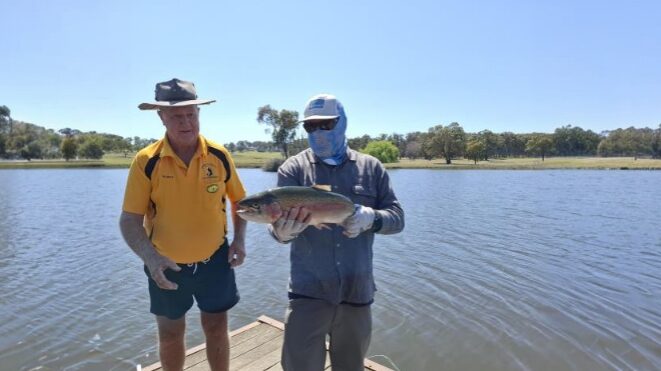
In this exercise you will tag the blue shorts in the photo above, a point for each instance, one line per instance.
(211, 283)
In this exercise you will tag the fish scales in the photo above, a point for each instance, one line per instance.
(324, 206)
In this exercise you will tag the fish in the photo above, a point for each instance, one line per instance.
(325, 207)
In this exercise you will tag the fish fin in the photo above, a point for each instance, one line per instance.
(320, 187)
(322, 226)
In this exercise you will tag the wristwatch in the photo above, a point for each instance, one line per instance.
(377, 223)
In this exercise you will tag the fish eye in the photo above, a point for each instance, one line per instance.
(255, 206)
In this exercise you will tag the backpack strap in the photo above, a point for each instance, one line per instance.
(221, 156)
(151, 163)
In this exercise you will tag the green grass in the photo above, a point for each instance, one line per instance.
(533, 163)
(257, 159)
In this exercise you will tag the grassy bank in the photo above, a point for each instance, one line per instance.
(533, 163)
(256, 159)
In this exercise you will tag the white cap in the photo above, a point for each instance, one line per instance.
(322, 107)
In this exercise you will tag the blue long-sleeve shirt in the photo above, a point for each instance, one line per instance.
(325, 264)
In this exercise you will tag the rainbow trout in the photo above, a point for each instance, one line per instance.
(324, 206)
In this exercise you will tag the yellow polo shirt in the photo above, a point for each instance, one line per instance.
(184, 207)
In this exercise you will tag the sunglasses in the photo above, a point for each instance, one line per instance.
(314, 125)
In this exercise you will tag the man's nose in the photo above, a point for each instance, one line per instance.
(187, 121)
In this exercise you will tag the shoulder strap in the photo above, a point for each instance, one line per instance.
(149, 168)
(221, 156)
(151, 163)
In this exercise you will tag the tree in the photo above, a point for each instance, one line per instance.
(413, 150)
(628, 142)
(399, 141)
(299, 144)
(574, 141)
(511, 145)
(359, 143)
(230, 146)
(447, 141)
(384, 150)
(475, 149)
(656, 143)
(5, 120)
(539, 144)
(489, 141)
(282, 124)
(31, 150)
(91, 149)
(69, 147)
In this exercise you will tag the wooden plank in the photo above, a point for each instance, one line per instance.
(244, 337)
(254, 347)
(251, 360)
(266, 335)
(268, 362)
(270, 321)
(200, 347)
(276, 367)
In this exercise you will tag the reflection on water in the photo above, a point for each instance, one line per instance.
(497, 270)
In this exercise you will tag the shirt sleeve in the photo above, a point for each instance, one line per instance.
(288, 174)
(138, 189)
(388, 207)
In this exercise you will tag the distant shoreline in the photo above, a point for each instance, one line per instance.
(257, 159)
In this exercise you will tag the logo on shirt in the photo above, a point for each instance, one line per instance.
(212, 188)
(209, 171)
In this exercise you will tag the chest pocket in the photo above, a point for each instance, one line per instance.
(363, 195)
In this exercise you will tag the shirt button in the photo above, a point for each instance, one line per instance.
(338, 263)
(338, 245)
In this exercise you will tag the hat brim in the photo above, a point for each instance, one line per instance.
(158, 105)
(319, 117)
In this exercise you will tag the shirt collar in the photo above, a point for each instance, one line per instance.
(202, 148)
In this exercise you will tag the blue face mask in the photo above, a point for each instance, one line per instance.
(331, 145)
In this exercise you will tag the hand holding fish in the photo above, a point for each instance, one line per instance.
(323, 206)
(359, 222)
(291, 222)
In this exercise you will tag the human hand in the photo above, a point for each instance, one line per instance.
(157, 264)
(291, 223)
(237, 253)
(359, 222)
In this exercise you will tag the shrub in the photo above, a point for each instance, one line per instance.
(384, 150)
(272, 165)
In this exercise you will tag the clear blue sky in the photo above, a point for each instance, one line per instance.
(398, 66)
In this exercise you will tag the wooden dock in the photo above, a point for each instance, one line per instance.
(254, 347)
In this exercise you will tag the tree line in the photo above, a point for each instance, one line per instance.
(451, 141)
(28, 141)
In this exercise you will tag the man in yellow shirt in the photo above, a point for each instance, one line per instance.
(174, 218)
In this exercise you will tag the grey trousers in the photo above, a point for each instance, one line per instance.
(308, 321)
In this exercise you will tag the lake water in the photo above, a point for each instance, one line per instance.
(496, 270)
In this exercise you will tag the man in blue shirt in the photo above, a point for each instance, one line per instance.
(331, 279)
